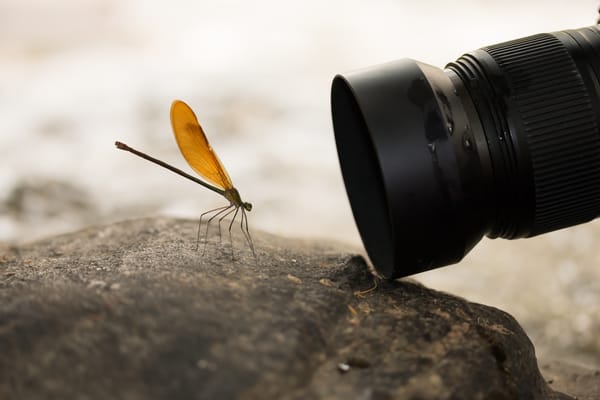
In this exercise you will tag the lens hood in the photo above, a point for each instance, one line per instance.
(411, 168)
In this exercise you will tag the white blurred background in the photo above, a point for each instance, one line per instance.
(76, 75)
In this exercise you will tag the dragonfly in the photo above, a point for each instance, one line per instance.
(199, 154)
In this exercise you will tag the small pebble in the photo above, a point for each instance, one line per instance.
(343, 367)
(96, 284)
(326, 282)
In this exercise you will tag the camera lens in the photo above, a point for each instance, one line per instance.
(503, 142)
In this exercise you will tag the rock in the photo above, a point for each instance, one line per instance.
(579, 381)
(37, 205)
(133, 311)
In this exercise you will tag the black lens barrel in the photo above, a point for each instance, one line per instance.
(504, 142)
(539, 107)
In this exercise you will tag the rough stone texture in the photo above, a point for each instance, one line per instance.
(133, 311)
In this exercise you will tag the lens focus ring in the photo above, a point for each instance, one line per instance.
(560, 127)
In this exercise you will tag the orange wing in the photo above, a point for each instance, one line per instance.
(195, 148)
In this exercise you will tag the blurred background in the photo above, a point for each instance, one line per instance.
(76, 75)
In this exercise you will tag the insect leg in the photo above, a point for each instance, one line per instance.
(221, 211)
(230, 225)
(225, 216)
(246, 232)
(200, 224)
(237, 209)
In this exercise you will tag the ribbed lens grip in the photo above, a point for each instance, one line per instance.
(560, 127)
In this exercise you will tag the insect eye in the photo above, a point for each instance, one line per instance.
(248, 206)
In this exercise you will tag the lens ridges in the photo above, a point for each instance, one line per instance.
(559, 124)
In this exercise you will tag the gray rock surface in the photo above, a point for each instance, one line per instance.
(579, 381)
(133, 311)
